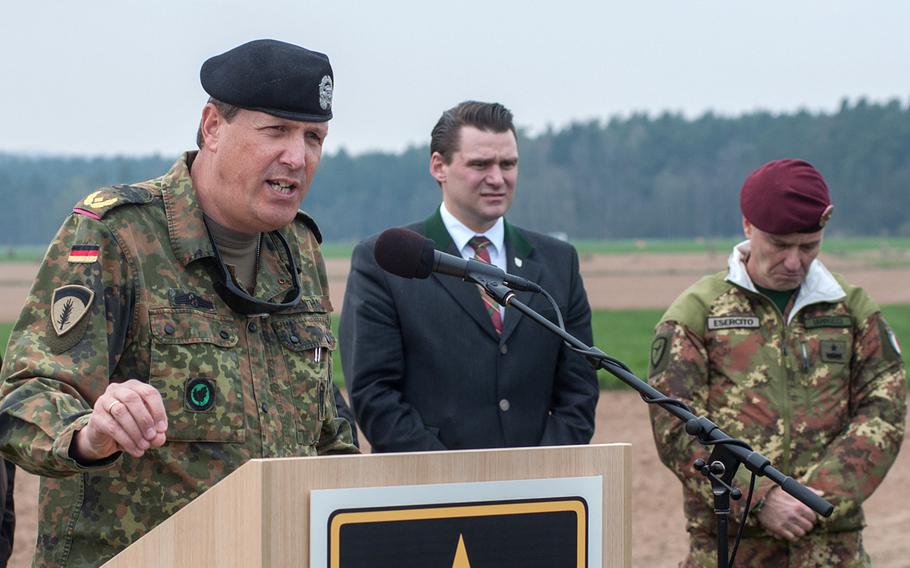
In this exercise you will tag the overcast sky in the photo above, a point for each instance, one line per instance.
(122, 77)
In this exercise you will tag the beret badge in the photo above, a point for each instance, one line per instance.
(325, 93)
(826, 216)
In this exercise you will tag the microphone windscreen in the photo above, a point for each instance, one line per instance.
(404, 253)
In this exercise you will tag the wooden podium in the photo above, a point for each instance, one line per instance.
(259, 516)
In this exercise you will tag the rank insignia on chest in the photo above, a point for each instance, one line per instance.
(833, 351)
(83, 253)
(68, 305)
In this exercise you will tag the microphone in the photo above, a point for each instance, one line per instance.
(410, 255)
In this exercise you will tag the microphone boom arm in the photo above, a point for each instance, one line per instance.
(706, 431)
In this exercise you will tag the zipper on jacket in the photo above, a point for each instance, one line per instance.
(785, 411)
(784, 388)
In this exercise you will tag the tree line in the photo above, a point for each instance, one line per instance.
(641, 176)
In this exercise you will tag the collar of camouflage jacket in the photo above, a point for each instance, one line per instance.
(186, 229)
(190, 240)
(819, 286)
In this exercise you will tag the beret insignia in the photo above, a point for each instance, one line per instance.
(325, 93)
(826, 216)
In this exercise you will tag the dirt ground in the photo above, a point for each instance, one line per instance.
(615, 281)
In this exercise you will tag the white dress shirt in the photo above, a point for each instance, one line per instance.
(461, 235)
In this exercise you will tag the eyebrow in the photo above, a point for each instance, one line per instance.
(780, 242)
(488, 161)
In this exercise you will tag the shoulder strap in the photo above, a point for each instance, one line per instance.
(97, 204)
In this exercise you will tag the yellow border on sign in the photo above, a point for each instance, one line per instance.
(576, 505)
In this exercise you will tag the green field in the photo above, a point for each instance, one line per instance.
(22, 254)
(626, 335)
(833, 245)
(838, 246)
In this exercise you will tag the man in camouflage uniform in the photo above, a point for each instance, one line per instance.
(794, 361)
(180, 326)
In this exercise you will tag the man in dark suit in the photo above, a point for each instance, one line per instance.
(434, 365)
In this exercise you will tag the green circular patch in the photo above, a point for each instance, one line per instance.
(200, 394)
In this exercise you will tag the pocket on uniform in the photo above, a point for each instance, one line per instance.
(307, 344)
(194, 365)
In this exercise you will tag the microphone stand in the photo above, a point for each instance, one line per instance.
(728, 452)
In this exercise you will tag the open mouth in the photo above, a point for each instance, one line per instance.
(284, 188)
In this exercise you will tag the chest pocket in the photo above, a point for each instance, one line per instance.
(307, 344)
(194, 365)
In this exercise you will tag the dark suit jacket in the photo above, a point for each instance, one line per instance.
(426, 370)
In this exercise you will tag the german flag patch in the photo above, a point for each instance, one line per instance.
(84, 253)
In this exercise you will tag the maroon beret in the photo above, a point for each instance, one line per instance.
(786, 196)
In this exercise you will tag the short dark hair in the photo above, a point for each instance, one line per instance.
(228, 111)
(446, 135)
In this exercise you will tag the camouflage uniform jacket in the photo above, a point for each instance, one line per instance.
(820, 393)
(234, 387)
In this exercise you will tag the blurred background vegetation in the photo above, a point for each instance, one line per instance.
(640, 177)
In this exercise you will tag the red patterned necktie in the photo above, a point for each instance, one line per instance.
(480, 244)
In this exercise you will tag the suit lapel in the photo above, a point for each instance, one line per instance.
(520, 261)
(465, 294)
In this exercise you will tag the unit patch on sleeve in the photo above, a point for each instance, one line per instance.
(730, 322)
(84, 253)
(68, 305)
(659, 353)
(891, 347)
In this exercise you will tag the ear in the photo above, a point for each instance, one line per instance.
(747, 228)
(210, 126)
(438, 167)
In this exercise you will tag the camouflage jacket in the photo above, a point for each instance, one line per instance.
(235, 387)
(820, 393)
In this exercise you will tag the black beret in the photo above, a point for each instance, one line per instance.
(278, 78)
(786, 196)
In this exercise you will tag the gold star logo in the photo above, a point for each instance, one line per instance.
(461, 555)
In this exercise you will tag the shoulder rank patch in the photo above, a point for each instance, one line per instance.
(729, 322)
(84, 253)
(98, 203)
(68, 305)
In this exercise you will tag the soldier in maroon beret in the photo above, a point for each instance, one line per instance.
(790, 358)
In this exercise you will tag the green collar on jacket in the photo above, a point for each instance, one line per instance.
(435, 229)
